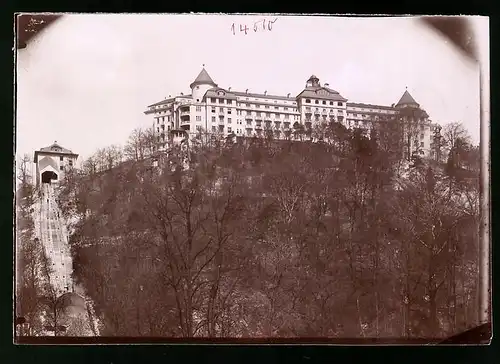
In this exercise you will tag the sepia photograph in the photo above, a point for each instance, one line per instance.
(251, 178)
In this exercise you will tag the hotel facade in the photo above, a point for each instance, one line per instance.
(214, 110)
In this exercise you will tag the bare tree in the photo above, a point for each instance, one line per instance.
(90, 166)
(454, 133)
(24, 172)
(113, 156)
(26, 190)
(29, 284)
(141, 144)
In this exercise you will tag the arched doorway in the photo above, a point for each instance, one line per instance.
(48, 176)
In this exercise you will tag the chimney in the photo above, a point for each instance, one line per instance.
(229, 89)
(182, 93)
(327, 84)
(169, 95)
(288, 95)
(265, 92)
(246, 91)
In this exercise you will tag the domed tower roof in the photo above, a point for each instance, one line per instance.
(407, 100)
(203, 79)
(313, 81)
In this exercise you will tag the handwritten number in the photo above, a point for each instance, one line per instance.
(244, 28)
(270, 24)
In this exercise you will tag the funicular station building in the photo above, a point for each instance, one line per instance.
(51, 163)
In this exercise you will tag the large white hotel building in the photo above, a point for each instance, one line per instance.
(213, 109)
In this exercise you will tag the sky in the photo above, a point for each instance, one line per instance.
(87, 79)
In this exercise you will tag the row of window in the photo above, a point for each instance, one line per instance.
(249, 131)
(276, 119)
(240, 112)
(214, 100)
(370, 110)
(268, 115)
(257, 106)
(258, 113)
(229, 120)
(275, 101)
(162, 112)
(355, 115)
(277, 124)
(308, 108)
(317, 118)
(162, 128)
(163, 119)
(221, 109)
(221, 101)
(308, 101)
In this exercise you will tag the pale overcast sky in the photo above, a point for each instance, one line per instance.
(87, 80)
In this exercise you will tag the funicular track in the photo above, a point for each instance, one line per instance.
(53, 236)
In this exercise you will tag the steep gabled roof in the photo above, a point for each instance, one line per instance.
(321, 92)
(407, 99)
(203, 79)
(56, 148)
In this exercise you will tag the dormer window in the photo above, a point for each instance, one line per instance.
(316, 101)
(308, 101)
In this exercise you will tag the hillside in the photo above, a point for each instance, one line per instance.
(278, 240)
